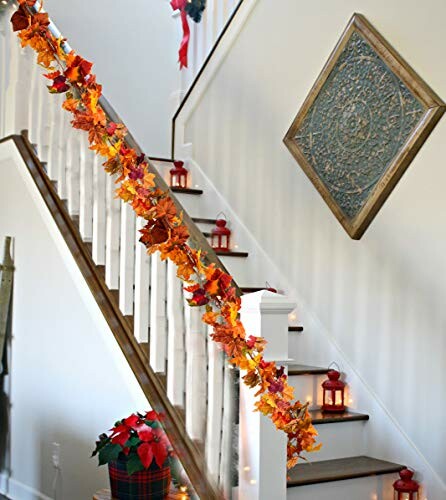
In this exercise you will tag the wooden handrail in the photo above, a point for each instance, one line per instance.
(191, 457)
(200, 72)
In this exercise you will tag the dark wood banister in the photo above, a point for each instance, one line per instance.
(200, 72)
(191, 456)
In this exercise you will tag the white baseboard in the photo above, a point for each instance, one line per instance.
(15, 490)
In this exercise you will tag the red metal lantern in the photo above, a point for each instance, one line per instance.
(221, 236)
(178, 175)
(270, 288)
(334, 390)
(406, 488)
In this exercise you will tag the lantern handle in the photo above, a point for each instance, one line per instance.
(333, 363)
(223, 214)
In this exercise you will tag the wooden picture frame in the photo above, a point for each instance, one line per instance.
(420, 103)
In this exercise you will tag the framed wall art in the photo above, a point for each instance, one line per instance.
(363, 122)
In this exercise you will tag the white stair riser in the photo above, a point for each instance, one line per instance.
(308, 388)
(339, 440)
(366, 488)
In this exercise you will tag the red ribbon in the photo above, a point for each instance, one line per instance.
(184, 46)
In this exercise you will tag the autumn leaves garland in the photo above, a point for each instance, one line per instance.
(164, 231)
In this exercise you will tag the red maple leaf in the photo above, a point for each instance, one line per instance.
(154, 233)
(20, 20)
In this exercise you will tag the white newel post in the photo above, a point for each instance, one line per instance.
(262, 465)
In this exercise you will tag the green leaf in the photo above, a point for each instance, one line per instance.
(109, 453)
(133, 441)
(134, 464)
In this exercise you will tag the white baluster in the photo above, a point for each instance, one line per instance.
(23, 95)
(99, 212)
(158, 321)
(262, 464)
(228, 438)
(61, 155)
(86, 158)
(195, 373)
(112, 236)
(142, 287)
(53, 135)
(176, 334)
(6, 64)
(127, 259)
(45, 118)
(73, 171)
(215, 407)
(33, 100)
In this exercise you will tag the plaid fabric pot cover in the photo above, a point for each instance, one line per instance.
(153, 483)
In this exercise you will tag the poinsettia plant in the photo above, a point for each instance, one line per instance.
(139, 440)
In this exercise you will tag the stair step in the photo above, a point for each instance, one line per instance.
(306, 370)
(203, 220)
(163, 160)
(296, 329)
(318, 417)
(187, 190)
(232, 253)
(339, 470)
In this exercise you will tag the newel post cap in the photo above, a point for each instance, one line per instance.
(267, 302)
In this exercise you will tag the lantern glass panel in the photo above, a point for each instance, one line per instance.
(405, 495)
(329, 397)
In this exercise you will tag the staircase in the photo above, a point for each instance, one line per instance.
(164, 341)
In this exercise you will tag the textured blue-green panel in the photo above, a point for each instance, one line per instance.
(357, 125)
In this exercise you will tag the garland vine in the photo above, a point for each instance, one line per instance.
(164, 231)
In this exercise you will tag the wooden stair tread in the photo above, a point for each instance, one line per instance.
(162, 160)
(306, 370)
(295, 328)
(203, 220)
(193, 191)
(318, 417)
(232, 253)
(339, 470)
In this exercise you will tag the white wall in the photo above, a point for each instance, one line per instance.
(134, 47)
(380, 300)
(69, 380)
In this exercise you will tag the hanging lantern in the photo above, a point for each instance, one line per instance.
(334, 389)
(406, 488)
(178, 175)
(221, 236)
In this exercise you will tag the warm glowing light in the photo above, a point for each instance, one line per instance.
(309, 399)
(350, 400)
(183, 488)
(253, 481)
(338, 397)
(247, 468)
(235, 246)
(292, 317)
